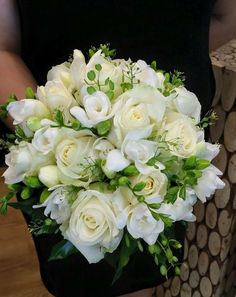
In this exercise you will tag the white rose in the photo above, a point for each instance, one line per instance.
(186, 102)
(109, 70)
(97, 108)
(46, 139)
(156, 184)
(23, 109)
(141, 224)
(93, 227)
(57, 205)
(60, 72)
(137, 109)
(49, 175)
(24, 160)
(78, 69)
(139, 150)
(73, 155)
(181, 209)
(180, 134)
(208, 183)
(148, 76)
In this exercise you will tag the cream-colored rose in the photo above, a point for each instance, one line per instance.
(136, 109)
(97, 108)
(93, 226)
(156, 184)
(180, 134)
(23, 160)
(186, 102)
(57, 205)
(141, 224)
(74, 156)
(49, 175)
(102, 147)
(23, 109)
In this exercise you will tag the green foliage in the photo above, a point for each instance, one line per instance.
(209, 119)
(139, 187)
(172, 81)
(103, 128)
(33, 182)
(3, 107)
(26, 193)
(29, 93)
(62, 250)
(109, 53)
(91, 90)
(131, 170)
(91, 75)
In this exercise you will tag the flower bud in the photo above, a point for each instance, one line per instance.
(32, 182)
(26, 193)
(33, 123)
(44, 195)
(123, 181)
(48, 175)
(131, 170)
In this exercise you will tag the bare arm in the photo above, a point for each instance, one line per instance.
(223, 23)
(14, 75)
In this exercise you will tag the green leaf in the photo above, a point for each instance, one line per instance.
(202, 164)
(154, 65)
(91, 90)
(131, 170)
(154, 205)
(62, 250)
(125, 254)
(139, 187)
(91, 75)
(111, 85)
(29, 93)
(103, 128)
(26, 207)
(98, 67)
(107, 81)
(190, 163)
(19, 132)
(110, 94)
(172, 194)
(59, 117)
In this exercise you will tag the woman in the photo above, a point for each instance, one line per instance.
(174, 32)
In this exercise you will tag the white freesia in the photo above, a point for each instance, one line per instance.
(145, 74)
(156, 185)
(22, 160)
(208, 183)
(141, 224)
(206, 150)
(60, 72)
(23, 109)
(93, 226)
(137, 108)
(97, 108)
(49, 175)
(57, 205)
(46, 139)
(102, 147)
(181, 209)
(180, 134)
(56, 97)
(73, 155)
(115, 162)
(78, 69)
(138, 149)
(186, 102)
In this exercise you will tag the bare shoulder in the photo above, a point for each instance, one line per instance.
(9, 26)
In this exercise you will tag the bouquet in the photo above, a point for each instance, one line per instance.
(110, 153)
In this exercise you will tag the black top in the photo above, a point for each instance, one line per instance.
(175, 33)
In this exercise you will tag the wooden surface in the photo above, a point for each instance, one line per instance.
(19, 273)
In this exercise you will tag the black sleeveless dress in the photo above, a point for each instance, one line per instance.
(175, 33)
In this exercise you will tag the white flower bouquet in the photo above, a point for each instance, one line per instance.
(111, 153)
